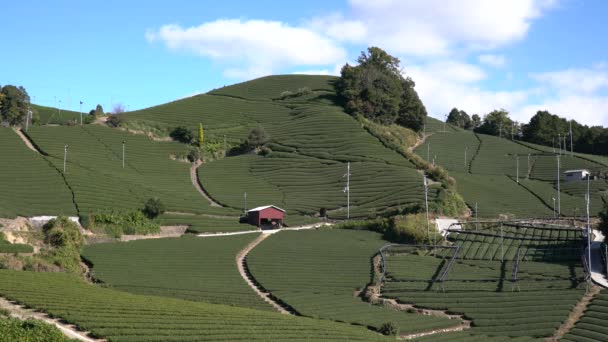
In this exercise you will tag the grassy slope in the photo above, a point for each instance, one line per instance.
(95, 173)
(188, 268)
(312, 139)
(488, 177)
(53, 116)
(29, 185)
(318, 272)
(121, 316)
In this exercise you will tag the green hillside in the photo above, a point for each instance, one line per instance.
(488, 176)
(312, 139)
(55, 116)
(29, 185)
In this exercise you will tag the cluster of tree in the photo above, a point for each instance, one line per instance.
(544, 128)
(14, 105)
(377, 90)
(460, 118)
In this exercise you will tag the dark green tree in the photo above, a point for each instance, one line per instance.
(182, 134)
(475, 121)
(496, 122)
(154, 207)
(257, 138)
(377, 90)
(459, 118)
(15, 102)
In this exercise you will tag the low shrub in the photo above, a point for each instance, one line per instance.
(182, 134)
(31, 330)
(389, 329)
(119, 222)
(398, 229)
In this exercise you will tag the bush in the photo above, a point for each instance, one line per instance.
(61, 232)
(389, 329)
(257, 138)
(118, 222)
(154, 207)
(194, 155)
(115, 120)
(12, 329)
(182, 134)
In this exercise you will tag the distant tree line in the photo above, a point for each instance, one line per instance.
(377, 90)
(544, 128)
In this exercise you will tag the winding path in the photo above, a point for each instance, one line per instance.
(27, 141)
(197, 185)
(597, 265)
(18, 311)
(241, 264)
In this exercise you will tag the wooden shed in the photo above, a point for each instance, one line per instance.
(268, 216)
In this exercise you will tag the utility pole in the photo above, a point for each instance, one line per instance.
(347, 190)
(476, 217)
(588, 226)
(553, 144)
(245, 199)
(27, 116)
(502, 240)
(80, 113)
(559, 205)
(571, 145)
(517, 165)
(428, 152)
(65, 157)
(426, 204)
(123, 154)
(529, 171)
(445, 123)
(60, 109)
(513, 131)
(554, 215)
(465, 158)
(500, 130)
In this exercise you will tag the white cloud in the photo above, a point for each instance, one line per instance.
(448, 84)
(331, 72)
(586, 109)
(496, 61)
(252, 46)
(575, 80)
(435, 27)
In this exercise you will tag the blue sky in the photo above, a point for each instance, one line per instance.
(477, 55)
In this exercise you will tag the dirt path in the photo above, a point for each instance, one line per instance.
(197, 185)
(241, 263)
(18, 311)
(27, 141)
(419, 142)
(575, 315)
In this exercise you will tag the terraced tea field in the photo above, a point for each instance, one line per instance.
(121, 316)
(95, 172)
(592, 326)
(205, 224)
(29, 185)
(190, 268)
(54, 116)
(318, 273)
(526, 298)
(490, 174)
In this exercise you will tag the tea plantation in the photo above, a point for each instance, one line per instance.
(318, 273)
(121, 316)
(592, 326)
(189, 268)
(30, 185)
(489, 175)
(526, 295)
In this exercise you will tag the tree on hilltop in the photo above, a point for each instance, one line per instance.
(459, 118)
(377, 90)
(14, 104)
(497, 122)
